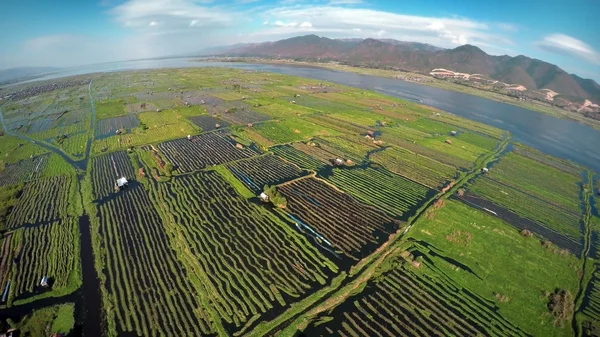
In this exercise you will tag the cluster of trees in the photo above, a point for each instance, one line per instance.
(275, 197)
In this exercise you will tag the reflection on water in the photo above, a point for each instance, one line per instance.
(558, 137)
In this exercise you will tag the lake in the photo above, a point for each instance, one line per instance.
(558, 137)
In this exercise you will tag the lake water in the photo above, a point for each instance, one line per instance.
(558, 137)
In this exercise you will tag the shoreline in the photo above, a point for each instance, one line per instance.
(424, 80)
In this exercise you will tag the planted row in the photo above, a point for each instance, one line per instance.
(414, 166)
(34, 252)
(298, 157)
(257, 172)
(335, 218)
(146, 289)
(396, 195)
(45, 200)
(248, 262)
(23, 171)
(204, 150)
(106, 169)
(403, 302)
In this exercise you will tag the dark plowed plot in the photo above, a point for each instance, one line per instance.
(108, 127)
(107, 169)
(407, 303)
(257, 172)
(522, 223)
(23, 171)
(146, 287)
(42, 201)
(203, 150)
(252, 264)
(354, 228)
(208, 123)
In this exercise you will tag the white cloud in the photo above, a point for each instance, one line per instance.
(306, 24)
(444, 32)
(280, 23)
(266, 23)
(154, 23)
(570, 46)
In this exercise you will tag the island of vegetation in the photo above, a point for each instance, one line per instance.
(221, 202)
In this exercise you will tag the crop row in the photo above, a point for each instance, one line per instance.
(522, 223)
(257, 172)
(548, 183)
(406, 303)
(545, 159)
(146, 290)
(337, 124)
(106, 169)
(350, 147)
(300, 158)
(559, 219)
(396, 195)
(416, 167)
(30, 253)
(42, 201)
(108, 127)
(203, 150)
(23, 171)
(345, 223)
(437, 155)
(472, 125)
(252, 265)
(242, 116)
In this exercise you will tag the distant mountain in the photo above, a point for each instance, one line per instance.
(413, 56)
(12, 74)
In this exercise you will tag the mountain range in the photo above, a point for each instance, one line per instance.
(423, 58)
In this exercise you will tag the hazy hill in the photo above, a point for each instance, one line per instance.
(413, 56)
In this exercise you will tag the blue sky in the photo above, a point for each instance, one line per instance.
(70, 33)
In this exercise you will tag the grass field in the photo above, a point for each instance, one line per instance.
(503, 266)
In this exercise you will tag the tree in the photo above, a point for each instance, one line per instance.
(275, 197)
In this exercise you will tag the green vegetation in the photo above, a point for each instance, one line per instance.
(416, 167)
(394, 194)
(48, 320)
(363, 238)
(534, 191)
(290, 130)
(274, 197)
(495, 261)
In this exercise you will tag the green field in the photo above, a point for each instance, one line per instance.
(504, 267)
(374, 220)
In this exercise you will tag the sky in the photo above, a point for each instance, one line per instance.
(67, 33)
